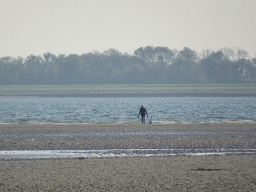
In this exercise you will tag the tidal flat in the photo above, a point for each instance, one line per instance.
(154, 173)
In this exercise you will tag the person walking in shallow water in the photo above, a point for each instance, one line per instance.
(143, 112)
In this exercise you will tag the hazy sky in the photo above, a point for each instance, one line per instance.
(81, 26)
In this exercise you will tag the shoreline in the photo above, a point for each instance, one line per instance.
(155, 123)
(135, 125)
(161, 123)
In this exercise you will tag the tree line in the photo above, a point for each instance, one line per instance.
(147, 65)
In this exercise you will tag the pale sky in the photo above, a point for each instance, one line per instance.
(81, 26)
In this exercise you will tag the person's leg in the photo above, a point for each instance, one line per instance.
(142, 118)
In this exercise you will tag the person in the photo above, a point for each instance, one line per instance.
(143, 112)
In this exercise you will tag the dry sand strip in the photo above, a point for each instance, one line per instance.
(175, 173)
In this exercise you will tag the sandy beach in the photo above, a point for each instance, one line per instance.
(178, 173)
(172, 173)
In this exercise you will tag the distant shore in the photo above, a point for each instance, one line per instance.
(139, 95)
(131, 90)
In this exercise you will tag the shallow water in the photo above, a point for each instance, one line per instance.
(125, 110)
(41, 154)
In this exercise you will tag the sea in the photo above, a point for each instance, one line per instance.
(125, 109)
(118, 110)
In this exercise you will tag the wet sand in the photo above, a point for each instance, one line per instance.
(173, 173)
(77, 136)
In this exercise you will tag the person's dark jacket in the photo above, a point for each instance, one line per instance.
(143, 111)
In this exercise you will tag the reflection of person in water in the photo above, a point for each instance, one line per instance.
(143, 112)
